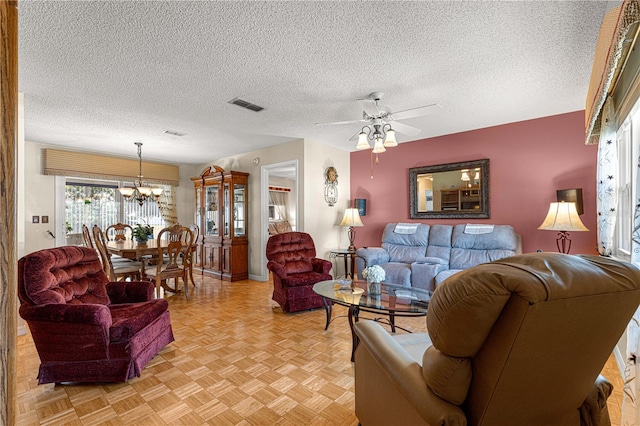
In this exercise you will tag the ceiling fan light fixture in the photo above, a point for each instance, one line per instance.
(390, 138)
(363, 141)
(378, 147)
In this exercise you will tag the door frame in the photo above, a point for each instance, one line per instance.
(265, 172)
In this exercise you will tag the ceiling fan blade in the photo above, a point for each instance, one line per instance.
(355, 137)
(404, 129)
(341, 122)
(369, 106)
(416, 112)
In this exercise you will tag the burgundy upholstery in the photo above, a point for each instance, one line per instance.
(85, 328)
(295, 268)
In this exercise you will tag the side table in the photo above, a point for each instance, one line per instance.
(349, 259)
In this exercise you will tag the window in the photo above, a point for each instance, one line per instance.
(99, 203)
(628, 139)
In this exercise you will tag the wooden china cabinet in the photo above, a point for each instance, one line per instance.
(221, 212)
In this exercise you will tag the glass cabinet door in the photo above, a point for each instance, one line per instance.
(239, 219)
(227, 209)
(211, 210)
(198, 216)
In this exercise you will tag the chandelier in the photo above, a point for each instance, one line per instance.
(140, 191)
(381, 134)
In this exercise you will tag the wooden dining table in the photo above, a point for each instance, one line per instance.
(130, 249)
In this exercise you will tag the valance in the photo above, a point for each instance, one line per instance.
(611, 49)
(95, 166)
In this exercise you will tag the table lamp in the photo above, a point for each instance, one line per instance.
(351, 219)
(563, 217)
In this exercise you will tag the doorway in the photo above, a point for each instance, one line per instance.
(283, 174)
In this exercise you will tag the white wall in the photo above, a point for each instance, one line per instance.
(321, 220)
(39, 200)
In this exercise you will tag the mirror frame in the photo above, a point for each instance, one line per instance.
(483, 213)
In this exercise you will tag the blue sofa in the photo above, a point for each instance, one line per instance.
(422, 256)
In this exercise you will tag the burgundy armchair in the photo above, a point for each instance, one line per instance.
(295, 268)
(85, 328)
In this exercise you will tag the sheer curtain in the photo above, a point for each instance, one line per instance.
(607, 184)
(167, 205)
(279, 201)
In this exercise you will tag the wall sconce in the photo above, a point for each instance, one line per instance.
(331, 186)
(563, 217)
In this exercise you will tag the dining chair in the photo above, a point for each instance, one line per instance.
(118, 232)
(88, 242)
(116, 271)
(86, 237)
(177, 258)
(195, 229)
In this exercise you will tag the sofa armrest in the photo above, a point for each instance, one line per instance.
(130, 291)
(89, 314)
(369, 256)
(321, 266)
(594, 411)
(277, 269)
(379, 350)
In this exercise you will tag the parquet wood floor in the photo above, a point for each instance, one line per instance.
(237, 360)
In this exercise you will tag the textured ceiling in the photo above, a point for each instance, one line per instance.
(100, 75)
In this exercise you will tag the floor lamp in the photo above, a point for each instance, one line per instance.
(563, 217)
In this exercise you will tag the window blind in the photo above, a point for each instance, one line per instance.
(94, 166)
(618, 28)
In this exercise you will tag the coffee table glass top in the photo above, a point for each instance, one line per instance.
(394, 298)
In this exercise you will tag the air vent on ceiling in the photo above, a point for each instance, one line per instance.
(174, 133)
(244, 104)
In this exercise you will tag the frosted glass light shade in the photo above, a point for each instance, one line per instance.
(157, 191)
(378, 147)
(126, 192)
(562, 216)
(390, 139)
(144, 191)
(363, 142)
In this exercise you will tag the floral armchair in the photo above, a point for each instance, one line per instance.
(295, 268)
(85, 328)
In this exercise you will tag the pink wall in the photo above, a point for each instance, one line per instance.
(529, 161)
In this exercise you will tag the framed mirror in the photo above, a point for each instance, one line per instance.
(450, 191)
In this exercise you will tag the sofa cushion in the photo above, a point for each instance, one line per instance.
(129, 318)
(304, 279)
(63, 275)
(473, 249)
(397, 273)
(440, 242)
(448, 377)
(405, 247)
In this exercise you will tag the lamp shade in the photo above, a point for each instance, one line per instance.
(390, 139)
(363, 142)
(378, 147)
(562, 216)
(351, 218)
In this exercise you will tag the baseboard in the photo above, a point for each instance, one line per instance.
(256, 278)
(620, 359)
(22, 330)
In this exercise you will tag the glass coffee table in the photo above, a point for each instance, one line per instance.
(395, 301)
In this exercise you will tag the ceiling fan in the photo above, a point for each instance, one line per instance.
(381, 123)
